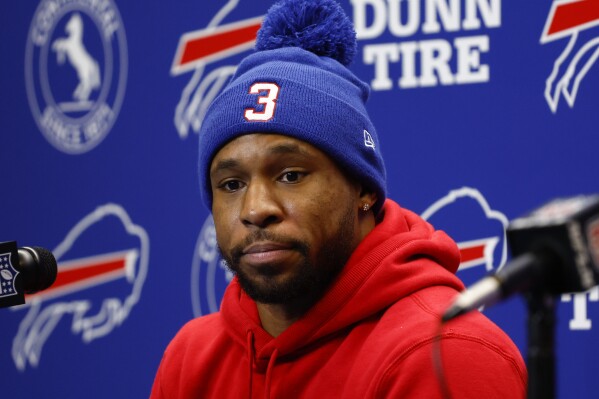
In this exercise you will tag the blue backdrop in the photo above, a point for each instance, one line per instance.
(485, 109)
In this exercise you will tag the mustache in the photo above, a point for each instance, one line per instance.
(263, 235)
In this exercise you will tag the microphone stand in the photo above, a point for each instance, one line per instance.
(541, 345)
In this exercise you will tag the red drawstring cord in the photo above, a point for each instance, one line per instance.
(271, 364)
(250, 353)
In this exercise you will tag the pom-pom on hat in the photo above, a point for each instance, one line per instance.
(297, 84)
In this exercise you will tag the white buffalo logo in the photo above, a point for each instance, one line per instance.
(482, 239)
(222, 41)
(96, 292)
(576, 20)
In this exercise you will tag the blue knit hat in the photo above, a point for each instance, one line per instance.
(297, 84)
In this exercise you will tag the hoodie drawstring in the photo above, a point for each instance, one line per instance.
(271, 363)
(250, 353)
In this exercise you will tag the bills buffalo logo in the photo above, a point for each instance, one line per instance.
(102, 266)
(198, 49)
(479, 231)
(576, 20)
(76, 71)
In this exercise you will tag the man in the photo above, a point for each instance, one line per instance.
(338, 290)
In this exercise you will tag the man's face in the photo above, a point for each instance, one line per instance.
(286, 217)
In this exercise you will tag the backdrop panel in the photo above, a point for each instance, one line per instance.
(485, 110)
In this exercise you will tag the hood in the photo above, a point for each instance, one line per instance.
(402, 255)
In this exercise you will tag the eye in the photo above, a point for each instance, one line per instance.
(292, 177)
(231, 185)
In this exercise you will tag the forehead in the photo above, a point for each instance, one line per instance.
(257, 146)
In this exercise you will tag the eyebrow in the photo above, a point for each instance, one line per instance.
(224, 164)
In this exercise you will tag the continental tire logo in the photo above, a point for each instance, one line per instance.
(76, 71)
(210, 275)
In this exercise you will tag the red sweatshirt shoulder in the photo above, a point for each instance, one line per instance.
(478, 359)
(190, 364)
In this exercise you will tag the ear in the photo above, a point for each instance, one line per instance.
(367, 199)
(366, 217)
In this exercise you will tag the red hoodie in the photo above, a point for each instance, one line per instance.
(372, 335)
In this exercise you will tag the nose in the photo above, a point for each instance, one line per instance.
(261, 207)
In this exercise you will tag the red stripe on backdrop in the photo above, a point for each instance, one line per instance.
(205, 46)
(571, 15)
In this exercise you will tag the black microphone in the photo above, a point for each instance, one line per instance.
(555, 250)
(24, 270)
(38, 267)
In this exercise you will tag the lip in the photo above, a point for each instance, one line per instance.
(266, 252)
(265, 246)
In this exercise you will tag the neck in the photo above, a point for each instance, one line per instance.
(276, 318)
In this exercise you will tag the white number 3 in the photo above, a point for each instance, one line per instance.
(269, 100)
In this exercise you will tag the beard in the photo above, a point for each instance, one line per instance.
(310, 279)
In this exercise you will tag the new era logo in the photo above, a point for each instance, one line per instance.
(368, 141)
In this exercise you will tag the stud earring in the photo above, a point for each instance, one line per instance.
(366, 207)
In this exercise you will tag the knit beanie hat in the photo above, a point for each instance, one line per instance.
(297, 84)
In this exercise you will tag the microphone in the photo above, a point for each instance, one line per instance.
(555, 250)
(38, 267)
(23, 271)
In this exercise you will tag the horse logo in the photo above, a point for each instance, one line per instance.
(86, 66)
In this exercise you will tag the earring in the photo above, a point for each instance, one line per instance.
(366, 207)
